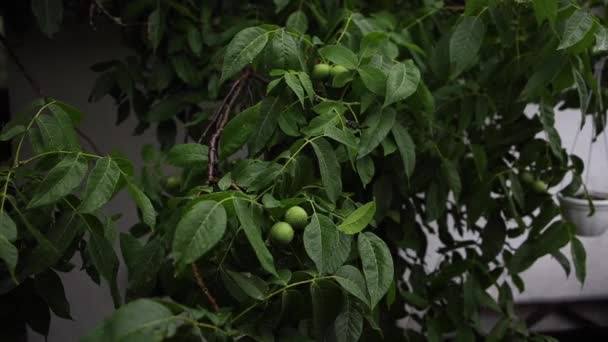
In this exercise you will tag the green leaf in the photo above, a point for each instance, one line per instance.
(377, 265)
(517, 190)
(563, 261)
(331, 174)
(238, 130)
(57, 132)
(366, 169)
(104, 258)
(402, 82)
(577, 27)
(378, 124)
(8, 253)
(297, 21)
(547, 118)
(358, 219)
(373, 79)
(286, 52)
(307, 85)
(340, 55)
(143, 262)
(280, 5)
(351, 280)
(165, 110)
(450, 172)
(143, 203)
(601, 39)
(348, 326)
(60, 181)
(156, 28)
(344, 136)
(139, 320)
(198, 231)
(242, 50)
(325, 245)
(66, 126)
(254, 174)
(499, 330)
(472, 7)
(545, 9)
(101, 185)
(251, 285)
(579, 258)
(48, 285)
(9, 133)
(187, 155)
(195, 40)
(556, 236)
(246, 215)
(406, 146)
(270, 110)
(294, 84)
(49, 14)
(371, 43)
(185, 69)
(481, 160)
(465, 43)
(7, 227)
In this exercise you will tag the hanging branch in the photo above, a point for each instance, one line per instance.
(220, 118)
(203, 287)
(37, 87)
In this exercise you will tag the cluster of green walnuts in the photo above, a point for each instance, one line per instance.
(322, 70)
(282, 232)
(536, 184)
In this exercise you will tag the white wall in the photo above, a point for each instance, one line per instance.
(61, 66)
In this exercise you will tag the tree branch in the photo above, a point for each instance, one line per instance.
(32, 82)
(203, 287)
(220, 118)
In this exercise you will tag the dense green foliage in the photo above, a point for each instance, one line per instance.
(388, 122)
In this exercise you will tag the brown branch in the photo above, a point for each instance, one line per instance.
(220, 109)
(32, 82)
(223, 114)
(203, 287)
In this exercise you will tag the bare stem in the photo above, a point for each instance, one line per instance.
(203, 287)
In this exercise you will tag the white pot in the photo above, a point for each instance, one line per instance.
(576, 211)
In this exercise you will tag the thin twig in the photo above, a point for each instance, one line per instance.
(20, 66)
(88, 139)
(201, 284)
(224, 114)
(103, 10)
(32, 82)
(221, 108)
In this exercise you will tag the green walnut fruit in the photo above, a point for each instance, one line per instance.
(338, 70)
(321, 71)
(281, 233)
(297, 217)
(527, 177)
(539, 187)
(173, 182)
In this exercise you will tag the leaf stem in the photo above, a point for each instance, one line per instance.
(348, 20)
(279, 291)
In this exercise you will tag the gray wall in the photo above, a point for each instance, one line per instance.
(61, 66)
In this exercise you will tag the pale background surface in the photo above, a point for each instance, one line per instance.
(61, 66)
